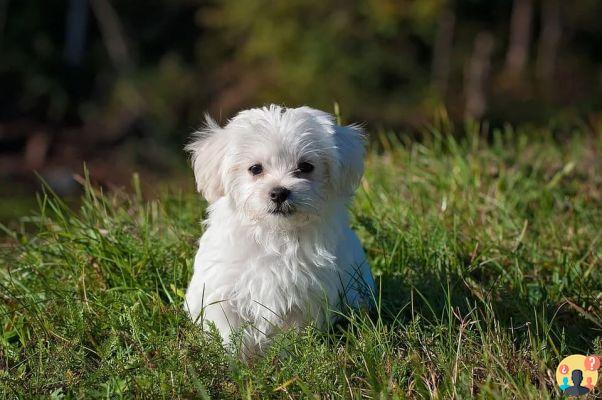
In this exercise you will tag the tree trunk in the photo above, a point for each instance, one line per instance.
(75, 33)
(476, 76)
(520, 37)
(442, 52)
(112, 33)
(549, 40)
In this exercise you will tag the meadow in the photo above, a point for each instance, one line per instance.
(486, 251)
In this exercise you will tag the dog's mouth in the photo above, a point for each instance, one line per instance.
(282, 211)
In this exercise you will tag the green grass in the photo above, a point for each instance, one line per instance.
(487, 254)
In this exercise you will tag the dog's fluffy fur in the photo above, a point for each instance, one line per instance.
(264, 266)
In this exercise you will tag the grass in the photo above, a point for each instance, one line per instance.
(487, 254)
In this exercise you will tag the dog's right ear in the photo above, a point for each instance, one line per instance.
(208, 151)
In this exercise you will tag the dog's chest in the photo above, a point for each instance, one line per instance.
(274, 286)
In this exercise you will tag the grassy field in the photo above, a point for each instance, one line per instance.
(487, 254)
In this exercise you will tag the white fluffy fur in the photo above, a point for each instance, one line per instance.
(257, 272)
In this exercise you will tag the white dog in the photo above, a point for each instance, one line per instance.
(277, 251)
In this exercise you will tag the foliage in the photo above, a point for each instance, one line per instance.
(487, 255)
(374, 56)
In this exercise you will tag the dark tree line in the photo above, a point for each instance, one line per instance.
(95, 73)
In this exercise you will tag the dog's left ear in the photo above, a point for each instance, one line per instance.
(349, 143)
(347, 165)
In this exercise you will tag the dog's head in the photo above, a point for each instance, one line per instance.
(278, 165)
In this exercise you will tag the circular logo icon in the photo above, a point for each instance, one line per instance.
(577, 375)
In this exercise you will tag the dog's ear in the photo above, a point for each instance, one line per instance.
(349, 142)
(347, 165)
(208, 151)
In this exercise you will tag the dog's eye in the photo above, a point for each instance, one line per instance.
(256, 169)
(305, 167)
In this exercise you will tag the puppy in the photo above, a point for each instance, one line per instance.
(277, 251)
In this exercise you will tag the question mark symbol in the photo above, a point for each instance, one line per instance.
(564, 369)
(592, 363)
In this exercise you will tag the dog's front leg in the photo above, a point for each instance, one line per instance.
(223, 317)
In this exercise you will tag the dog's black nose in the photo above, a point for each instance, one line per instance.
(279, 194)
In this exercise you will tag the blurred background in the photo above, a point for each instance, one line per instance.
(120, 84)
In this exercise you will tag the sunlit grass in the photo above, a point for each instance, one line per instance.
(487, 255)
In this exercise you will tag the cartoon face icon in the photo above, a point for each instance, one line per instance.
(576, 389)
